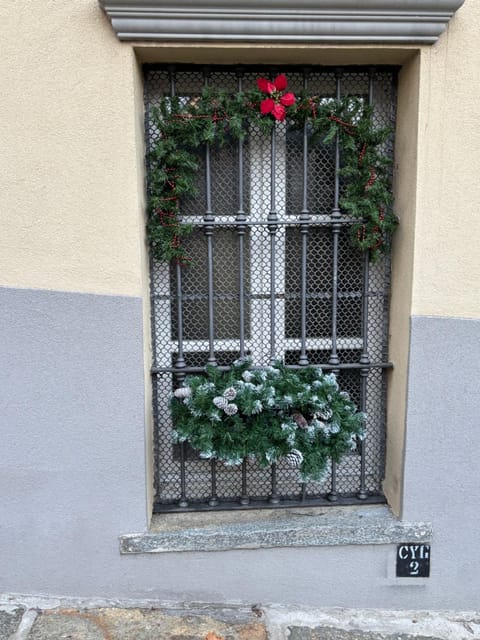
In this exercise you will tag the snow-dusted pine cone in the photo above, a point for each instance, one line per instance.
(231, 409)
(230, 394)
(182, 392)
(220, 402)
(294, 458)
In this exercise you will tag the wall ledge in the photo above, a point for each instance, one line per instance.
(300, 21)
(309, 527)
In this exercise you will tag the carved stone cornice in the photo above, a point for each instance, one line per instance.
(289, 21)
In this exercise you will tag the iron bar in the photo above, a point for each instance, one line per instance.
(240, 220)
(333, 496)
(153, 309)
(303, 493)
(343, 366)
(362, 493)
(213, 502)
(304, 216)
(334, 359)
(180, 361)
(209, 219)
(274, 499)
(317, 295)
(365, 357)
(260, 503)
(290, 222)
(272, 229)
(180, 364)
(183, 502)
(244, 499)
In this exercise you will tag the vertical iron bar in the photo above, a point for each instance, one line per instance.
(180, 361)
(179, 365)
(244, 499)
(209, 218)
(241, 218)
(335, 215)
(303, 494)
(272, 229)
(153, 310)
(332, 496)
(304, 217)
(274, 499)
(213, 502)
(365, 357)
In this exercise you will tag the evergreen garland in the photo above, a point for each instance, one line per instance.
(214, 117)
(270, 414)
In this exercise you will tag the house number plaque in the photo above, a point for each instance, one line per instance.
(413, 560)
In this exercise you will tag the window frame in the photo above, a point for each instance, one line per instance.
(332, 366)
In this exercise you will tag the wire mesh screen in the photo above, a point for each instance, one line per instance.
(249, 282)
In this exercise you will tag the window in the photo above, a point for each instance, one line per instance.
(274, 276)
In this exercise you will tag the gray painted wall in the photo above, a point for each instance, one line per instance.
(72, 471)
(442, 451)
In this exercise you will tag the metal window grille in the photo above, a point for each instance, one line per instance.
(275, 277)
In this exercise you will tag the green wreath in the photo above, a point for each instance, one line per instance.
(270, 414)
(216, 116)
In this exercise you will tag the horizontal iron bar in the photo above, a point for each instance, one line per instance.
(319, 295)
(264, 503)
(327, 367)
(255, 69)
(295, 223)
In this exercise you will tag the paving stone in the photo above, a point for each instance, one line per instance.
(329, 633)
(71, 625)
(142, 624)
(9, 621)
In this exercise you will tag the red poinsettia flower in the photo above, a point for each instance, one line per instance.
(277, 101)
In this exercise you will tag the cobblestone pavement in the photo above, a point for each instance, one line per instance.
(31, 618)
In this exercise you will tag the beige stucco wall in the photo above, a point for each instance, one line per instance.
(447, 227)
(71, 180)
(406, 156)
(69, 167)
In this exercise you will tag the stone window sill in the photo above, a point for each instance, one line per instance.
(296, 527)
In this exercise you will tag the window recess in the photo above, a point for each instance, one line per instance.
(273, 276)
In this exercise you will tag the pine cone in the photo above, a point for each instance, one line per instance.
(294, 458)
(230, 394)
(220, 402)
(182, 392)
(231, 409)
(300, 419)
